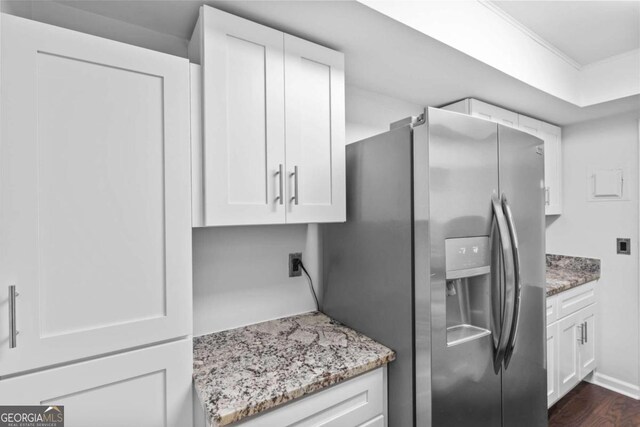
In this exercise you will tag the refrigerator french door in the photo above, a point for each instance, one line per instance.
(442, 259)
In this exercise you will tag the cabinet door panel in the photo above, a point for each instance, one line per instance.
(553, 167)
(529, 125)
(149, 387)
(95, 218)
(554, 175)
(569, 351)
(243, 120)
(588, 349)
(314, 132)
(552, 364)
(493, 113)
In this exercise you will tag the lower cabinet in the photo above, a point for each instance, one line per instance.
(150, 387)
(570, 343)
(357, 402)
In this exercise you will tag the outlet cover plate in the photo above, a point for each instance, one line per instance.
(298, 271)
(623, 246)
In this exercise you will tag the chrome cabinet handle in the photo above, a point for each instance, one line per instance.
(509, 274)
(547, 196)
(586, 332)
(295, 174)
(516, 280)
(280, 197)
(13, 332)
(581, 339)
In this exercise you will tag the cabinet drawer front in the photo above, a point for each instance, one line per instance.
(146, 388)
(552, 309)
(575, 299)
(352, 403)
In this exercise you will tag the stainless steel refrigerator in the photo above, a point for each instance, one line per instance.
(442, 260)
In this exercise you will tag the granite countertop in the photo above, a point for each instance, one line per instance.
(245, 371)
(566, 272)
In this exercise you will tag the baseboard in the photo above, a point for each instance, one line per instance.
(614, 384)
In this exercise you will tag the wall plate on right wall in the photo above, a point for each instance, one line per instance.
(607, 183)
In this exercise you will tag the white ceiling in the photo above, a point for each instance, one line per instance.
(585, 31)
(382, 55)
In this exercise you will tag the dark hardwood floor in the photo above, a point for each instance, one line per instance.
(589, 405)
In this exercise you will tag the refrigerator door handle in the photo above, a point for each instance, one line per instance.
(517, 283)
(509, 288)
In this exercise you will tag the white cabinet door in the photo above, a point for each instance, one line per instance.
(588, 347)
(569, 352)
(493, 113)
(552, 136)
(94, 195)
(243, 120)
(552, 364)
(530, 125)
(144, 388)
(315, 134)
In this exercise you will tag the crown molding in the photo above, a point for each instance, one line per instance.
(532, 35)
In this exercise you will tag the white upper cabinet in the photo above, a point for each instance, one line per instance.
(95, 225)
(550, 134)
(271, 150)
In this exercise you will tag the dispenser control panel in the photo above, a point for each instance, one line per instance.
(467, 256)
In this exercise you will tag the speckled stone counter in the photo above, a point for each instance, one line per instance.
(244, 371)
(566, 272)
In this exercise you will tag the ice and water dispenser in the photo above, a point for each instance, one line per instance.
(468, 280)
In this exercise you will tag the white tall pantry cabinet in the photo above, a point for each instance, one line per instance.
(95, 227)
(269, 139)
